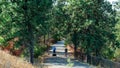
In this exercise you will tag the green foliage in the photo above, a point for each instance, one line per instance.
(87, 24)
(14, 22)
(117, 27)
(117, 6)
(56, 37)
(58, 18)
(1, 40)
(39, 50)
(70, 64)
(108, 52)
(67, 41)
(25, 19)
(117, 53)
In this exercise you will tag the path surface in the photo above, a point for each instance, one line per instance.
(60, 61)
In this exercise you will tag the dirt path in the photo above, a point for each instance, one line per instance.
(60, 61)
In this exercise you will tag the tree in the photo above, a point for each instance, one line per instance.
(24, 19)
(58, 18)
(117, 7)
(92, 26)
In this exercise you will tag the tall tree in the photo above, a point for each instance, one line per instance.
(25, 18)
(117, 7)
(58, 18)
(92, 25)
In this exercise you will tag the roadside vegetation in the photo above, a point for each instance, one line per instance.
(91, 27)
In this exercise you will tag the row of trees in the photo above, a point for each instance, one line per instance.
(88, 24)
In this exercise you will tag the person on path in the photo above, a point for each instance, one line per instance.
(66, 50)
(54, 51)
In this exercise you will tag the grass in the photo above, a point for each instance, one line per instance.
(9, 61)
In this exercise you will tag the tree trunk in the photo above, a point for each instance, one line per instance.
(48, 43)
(31, 49)
(75, 51)
(75, 43)
(48, 38)
(30, 36)
(44, 39)
(31, 43)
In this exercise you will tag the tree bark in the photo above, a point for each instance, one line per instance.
(75, 43)
(30, 36)
(75, 51)
(31, 43)
(44, 39)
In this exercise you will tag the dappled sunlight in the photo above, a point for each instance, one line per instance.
(60, 60)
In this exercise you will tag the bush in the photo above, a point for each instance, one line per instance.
(39, 50)
(1, 40)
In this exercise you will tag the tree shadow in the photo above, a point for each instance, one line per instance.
(63, 62)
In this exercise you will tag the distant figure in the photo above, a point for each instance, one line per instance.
(54, 51)
(66, 50)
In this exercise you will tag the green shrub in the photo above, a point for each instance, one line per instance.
(70, 63)
(1, 40)
(39, 50)
(68, 41)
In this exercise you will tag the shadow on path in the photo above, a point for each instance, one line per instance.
(61, 60)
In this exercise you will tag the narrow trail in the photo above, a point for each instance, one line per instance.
(60, 61)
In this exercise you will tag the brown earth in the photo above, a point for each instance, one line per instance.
(9, 61)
